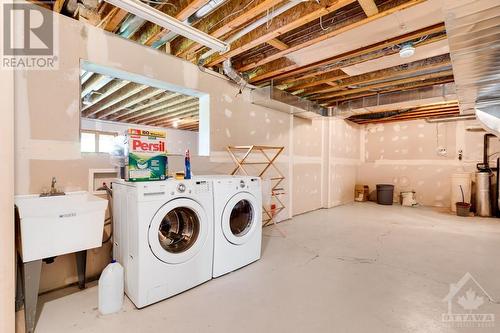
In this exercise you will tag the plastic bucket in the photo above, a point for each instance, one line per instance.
(385, 194)
(458, 179)
(462, 208)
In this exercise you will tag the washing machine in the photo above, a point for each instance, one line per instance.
(237, 222)
(163, 236)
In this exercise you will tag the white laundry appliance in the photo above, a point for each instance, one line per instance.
(237, 222)
(163, 236)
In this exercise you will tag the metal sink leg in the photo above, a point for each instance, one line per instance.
(31, 282)
(81, 265)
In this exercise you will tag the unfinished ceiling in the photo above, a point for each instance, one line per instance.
(436, 111)
(107, 98)
(326, 51)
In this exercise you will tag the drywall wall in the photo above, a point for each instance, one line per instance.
(344, 161)
(7, 261)
(406, 154)
(307, 161)
(48, 124)
(326, 151)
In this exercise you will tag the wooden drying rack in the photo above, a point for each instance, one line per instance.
(240, 156)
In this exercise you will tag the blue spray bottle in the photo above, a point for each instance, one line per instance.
(187, 164)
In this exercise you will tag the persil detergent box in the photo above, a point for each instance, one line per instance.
(147, 155)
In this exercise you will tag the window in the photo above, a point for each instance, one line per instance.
(96, 142)
(87, 142)
(106, 142)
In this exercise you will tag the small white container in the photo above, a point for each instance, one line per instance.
(111, 288)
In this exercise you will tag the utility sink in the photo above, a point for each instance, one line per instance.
(56, 225)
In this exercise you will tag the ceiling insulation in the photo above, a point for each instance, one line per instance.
(420, 16)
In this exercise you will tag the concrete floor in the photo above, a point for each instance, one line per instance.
(354, 268)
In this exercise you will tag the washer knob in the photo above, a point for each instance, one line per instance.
(242, 183)
(181, 188)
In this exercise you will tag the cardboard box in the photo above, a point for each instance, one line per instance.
(361, 192)
(147, 155)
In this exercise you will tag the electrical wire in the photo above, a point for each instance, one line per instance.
(232, 14)
(321, 24)
(154, 2)
(269, 21)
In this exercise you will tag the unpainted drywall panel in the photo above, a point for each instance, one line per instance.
(405, 154)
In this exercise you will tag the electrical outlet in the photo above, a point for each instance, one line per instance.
(441, 151)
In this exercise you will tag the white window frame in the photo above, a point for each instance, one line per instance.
(96, 134)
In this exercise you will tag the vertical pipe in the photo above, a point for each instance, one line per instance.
(486, 144)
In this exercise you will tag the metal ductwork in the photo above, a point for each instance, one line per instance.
(279, 100)
(473, 29)
(395, 100)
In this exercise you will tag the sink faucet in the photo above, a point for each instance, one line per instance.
(53, 191)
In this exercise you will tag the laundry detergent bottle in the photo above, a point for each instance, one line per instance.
(111, 287)
(187, 164)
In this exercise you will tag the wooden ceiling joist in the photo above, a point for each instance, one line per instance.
(330, 34)
(90, 83)
(121, 94)
(409, 116)
(112, 20)
(249, 11)
(316, 81)
(291, 19)
(158, 107)
(405, 87)
(180, 107)
(386, 74)
(169, 123)
(369, 7)
(423, 111)
(314, 69)
(168, 115)
(58, 5)
(184, 14)
(151, 103)
(135, 99)
(106, 91)
(384, 84)
(276, 43)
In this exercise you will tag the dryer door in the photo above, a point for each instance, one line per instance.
(178, 231)
(240, 218)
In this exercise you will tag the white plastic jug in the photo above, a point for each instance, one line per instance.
(111, 288)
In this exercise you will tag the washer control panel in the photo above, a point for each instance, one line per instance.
(202, 186)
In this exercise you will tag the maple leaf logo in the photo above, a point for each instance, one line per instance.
(470, 301)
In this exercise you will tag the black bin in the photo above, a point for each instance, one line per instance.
(385, 194)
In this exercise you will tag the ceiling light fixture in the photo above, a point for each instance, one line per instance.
(407, 50)
(175, 124)
(153, 15)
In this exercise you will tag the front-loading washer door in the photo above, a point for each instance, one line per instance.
(239, 219)
(178, 231)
